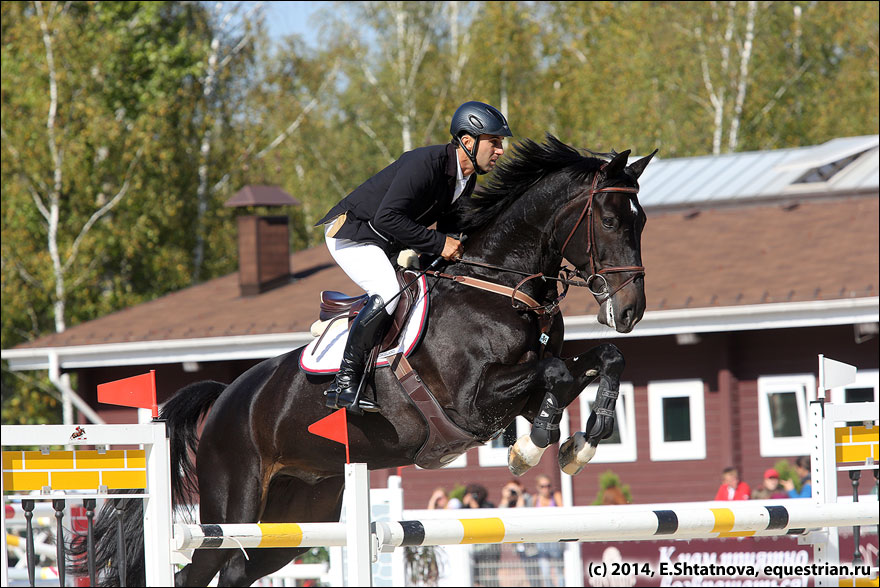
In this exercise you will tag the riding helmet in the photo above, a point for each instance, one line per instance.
(477, 118)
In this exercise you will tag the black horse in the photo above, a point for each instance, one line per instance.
(485, 357)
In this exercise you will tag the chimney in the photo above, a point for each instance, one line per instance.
(263, 241)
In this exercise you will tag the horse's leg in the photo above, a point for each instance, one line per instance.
(289, 500)
(580, 448)
(558, 384)
(552, 376)
(230, 491)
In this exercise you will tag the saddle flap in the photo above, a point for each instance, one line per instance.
(405, 304)
(334, 304)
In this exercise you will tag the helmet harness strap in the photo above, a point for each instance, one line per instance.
(472, 155)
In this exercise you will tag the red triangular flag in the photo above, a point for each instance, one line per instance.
(137, 391)
(333, 427)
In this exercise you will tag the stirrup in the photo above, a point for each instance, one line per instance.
(353, 404)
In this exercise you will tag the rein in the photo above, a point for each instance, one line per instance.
(527, 303)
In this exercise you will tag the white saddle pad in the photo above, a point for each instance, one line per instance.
(325, 358)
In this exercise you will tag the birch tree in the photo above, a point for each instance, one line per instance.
(81, 123)
(233, 31)
(405, 32)
(724, 46)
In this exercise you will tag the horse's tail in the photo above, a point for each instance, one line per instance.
(182, 414)
(107, 556)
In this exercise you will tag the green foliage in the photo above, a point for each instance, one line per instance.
(458, 492)
(315, 555)
(128, 117)
(35, 403)
(609, 479)
(787, 472)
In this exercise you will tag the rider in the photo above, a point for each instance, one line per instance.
(390, 212)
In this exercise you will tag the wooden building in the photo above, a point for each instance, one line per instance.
(756, 263)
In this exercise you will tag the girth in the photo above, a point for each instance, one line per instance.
(446, 440)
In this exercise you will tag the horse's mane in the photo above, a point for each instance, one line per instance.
(516, 173)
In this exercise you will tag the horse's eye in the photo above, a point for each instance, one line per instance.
(609, 222)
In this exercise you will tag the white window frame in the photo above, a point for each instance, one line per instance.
(771, 446)
(497, 456)
(624, 414)
(694, 449)
(864, 379)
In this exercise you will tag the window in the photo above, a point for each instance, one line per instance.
(825, 172)
(494, 453)
(782, 413)
(677, 420)
(621, 446)
(864, 389)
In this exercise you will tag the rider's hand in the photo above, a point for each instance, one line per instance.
(452, 249)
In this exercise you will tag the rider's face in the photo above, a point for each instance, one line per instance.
(490, 149)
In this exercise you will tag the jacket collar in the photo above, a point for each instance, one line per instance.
(452, 161)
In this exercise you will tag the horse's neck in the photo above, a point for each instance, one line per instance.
(519, 239)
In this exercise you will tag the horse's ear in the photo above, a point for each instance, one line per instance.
(617, 164)
(639, 166)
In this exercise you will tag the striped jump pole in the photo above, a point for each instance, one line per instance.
(741, 520)
(354, 533)
(236, 536)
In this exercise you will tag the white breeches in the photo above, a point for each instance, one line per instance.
(368, 266)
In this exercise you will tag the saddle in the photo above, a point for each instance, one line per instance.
(338, 306)
(445, 440)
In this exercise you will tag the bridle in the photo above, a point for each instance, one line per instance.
(592, 249)
(523, 302)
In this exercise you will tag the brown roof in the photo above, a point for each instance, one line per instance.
(817, 250)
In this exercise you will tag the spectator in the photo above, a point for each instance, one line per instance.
(769, 487)
(514, 495)
(802, 467)
(731, 488)
(486, 557)
(476, 496)
(545, 496)
(549, 554)
(439, 499)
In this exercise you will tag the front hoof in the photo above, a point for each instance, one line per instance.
(523, 455)
(575, 453)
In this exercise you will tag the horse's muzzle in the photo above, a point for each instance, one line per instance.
(622, 310)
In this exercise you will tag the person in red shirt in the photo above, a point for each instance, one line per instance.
(731, 488)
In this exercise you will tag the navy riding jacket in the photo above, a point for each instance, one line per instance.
(394, 207)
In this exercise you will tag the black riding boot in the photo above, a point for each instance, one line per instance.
(368, 328)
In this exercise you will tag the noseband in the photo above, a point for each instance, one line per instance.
(592, 249)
